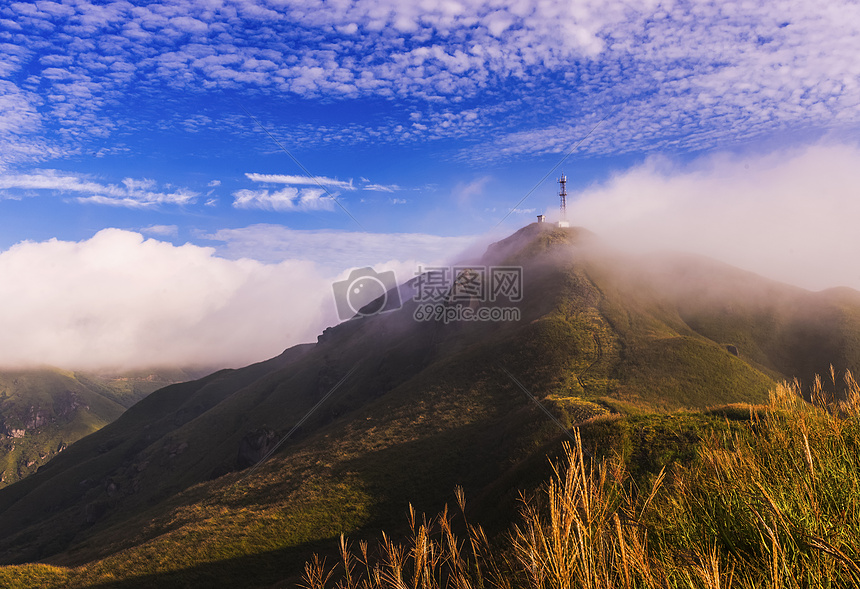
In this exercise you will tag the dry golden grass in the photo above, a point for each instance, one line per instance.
(774, 505)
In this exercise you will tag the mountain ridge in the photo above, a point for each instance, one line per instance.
(425, 408)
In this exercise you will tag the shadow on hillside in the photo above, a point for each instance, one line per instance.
(426, 471)
(482, 459)
(278, 568)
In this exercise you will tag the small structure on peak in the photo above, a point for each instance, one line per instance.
(541, 218)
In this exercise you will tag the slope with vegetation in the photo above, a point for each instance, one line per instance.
(44, 410)
(769, 499)
(165, 496)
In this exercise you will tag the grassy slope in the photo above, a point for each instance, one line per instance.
(54, 408)
(766, 498)
(427, 408)
(753, 497)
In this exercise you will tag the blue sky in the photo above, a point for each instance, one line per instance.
(423, 123)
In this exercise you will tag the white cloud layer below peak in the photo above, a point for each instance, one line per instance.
(120, 301)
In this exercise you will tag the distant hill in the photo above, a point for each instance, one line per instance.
(43, 411)
(163, 495)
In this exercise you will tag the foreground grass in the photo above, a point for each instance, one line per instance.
(773, 503)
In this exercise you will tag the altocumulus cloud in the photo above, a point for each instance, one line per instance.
(688, 74)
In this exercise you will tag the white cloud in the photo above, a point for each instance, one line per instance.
(288, 199)
(300, 180)
(465, 192)
(117, 300)
(161, 230)
(381, 187)
(143, 199)
(18, 109)
(214, 183)
(688, 75)
(334, 249)
(134, 193)
(790, 215)
(52, 180)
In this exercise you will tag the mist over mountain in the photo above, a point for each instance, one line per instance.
(398, 408)
(786, 214)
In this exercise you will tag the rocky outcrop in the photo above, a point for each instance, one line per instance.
(255, 445)
(15, 423)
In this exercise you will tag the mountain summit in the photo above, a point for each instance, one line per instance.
(397, 408)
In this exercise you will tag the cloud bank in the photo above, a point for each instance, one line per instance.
(118, 301)
(789, 215)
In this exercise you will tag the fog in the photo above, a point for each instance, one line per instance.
(789, 215)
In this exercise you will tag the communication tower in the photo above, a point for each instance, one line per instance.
(562, 193)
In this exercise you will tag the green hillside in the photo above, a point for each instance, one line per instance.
(164, 496)
(43, 411)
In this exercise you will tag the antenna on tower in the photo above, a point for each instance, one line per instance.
(562, 193)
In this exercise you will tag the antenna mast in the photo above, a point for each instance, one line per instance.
(562, 193)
